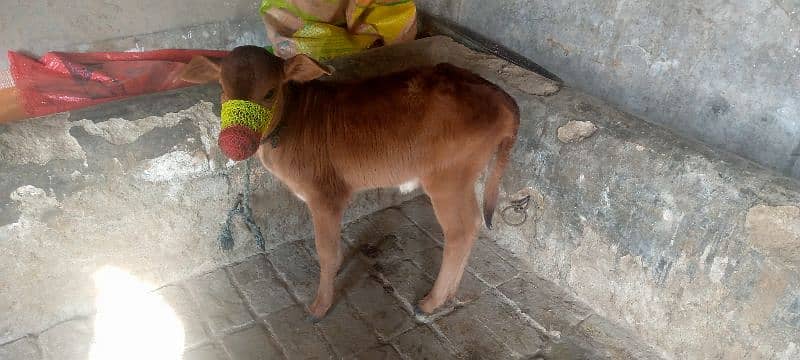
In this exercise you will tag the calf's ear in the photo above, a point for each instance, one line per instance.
(200, 70)
(302, 68)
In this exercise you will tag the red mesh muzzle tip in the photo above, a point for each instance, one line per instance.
(238, 142)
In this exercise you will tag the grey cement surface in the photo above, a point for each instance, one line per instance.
(92, 25)
(692, 249)
(256, 308)
(724, 72)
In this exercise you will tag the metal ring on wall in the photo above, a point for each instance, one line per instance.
(519, 207)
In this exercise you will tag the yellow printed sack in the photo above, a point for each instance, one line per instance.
(324, 29)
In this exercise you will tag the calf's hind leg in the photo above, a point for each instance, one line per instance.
(456, 208)
(327, 216)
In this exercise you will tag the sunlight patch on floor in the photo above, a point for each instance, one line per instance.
(131, 321)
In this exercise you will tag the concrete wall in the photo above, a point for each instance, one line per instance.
(38, 26)
(724, 72)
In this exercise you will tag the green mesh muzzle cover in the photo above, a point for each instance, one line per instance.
(245, 113)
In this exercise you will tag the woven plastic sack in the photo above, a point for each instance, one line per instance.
(61, 81)
(325, 29)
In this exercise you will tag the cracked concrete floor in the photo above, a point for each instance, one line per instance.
(255, 309)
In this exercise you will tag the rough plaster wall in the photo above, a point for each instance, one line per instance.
(60, 237)
(38, 26)
(724, 72)
(651, 231)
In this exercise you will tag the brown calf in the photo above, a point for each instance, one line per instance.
(437, 127)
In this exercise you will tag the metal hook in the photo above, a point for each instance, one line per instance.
(520, 206)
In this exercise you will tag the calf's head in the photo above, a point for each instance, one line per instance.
(253, 83)
(251, 73)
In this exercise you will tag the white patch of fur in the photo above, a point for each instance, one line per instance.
(300, 197)
(409, 186)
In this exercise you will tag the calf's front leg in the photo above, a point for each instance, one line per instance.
(327, 217)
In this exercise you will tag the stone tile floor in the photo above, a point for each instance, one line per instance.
(255, 309)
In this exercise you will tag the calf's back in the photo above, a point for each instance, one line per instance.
(388, 130)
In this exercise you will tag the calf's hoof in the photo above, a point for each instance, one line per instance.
(313, 319)
(318, 309)
(419, 314)
(428, 305)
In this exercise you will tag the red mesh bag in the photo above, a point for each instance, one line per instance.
(60, 81)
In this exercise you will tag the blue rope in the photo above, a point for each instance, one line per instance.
(241, 207)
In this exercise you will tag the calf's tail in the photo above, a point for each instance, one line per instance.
(503, 155)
